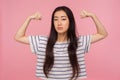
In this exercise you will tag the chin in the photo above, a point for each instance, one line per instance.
(61, 32)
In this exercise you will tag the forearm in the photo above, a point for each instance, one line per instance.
(99, 26)
(20, 34)
(101, 31)
(22, 30)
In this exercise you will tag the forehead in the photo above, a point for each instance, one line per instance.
(60, 13)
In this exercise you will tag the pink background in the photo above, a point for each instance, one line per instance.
(18, 63)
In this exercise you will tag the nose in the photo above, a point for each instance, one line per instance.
(59, 23)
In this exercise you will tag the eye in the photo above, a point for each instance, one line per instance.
(64, 19)
(55, 19)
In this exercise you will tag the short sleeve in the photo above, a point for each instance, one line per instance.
(34, 43)
(85, 41)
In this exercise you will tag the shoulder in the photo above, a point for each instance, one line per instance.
(38, 38)
(42, 37)
(84, 38)
(81, 37)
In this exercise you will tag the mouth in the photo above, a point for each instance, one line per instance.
(59, 28)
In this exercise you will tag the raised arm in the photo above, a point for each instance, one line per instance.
(101, 31)
(20, 34)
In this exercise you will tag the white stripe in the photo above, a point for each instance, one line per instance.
(62, 64)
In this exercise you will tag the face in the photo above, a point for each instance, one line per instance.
(61, 22)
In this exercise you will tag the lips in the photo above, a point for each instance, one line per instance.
(59, 28)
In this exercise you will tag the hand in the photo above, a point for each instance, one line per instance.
(85, 14)
(36, 16)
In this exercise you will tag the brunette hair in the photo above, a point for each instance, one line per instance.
(72, 47)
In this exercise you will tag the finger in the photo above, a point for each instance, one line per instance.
(82, 14)
(38, 15)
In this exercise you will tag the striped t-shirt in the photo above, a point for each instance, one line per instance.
(62, 69)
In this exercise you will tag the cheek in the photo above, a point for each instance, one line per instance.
(55, 24)
(67, 25)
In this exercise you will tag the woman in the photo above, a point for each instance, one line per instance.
(61, 54)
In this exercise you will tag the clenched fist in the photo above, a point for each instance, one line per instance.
(36, 16)
(85, 13)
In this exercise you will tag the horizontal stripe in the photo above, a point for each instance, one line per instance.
(62, 69)
(59, 71)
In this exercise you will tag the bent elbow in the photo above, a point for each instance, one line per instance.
(105, 35)
(22, 39)
(16, 38)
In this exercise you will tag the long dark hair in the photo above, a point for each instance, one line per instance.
(71, 35)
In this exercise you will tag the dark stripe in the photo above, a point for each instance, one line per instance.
(62, 51)
(86, 44)
(57, 78)
(40, 51)
(60, 63)
(55, 70)
(64, 43)
(42, 43)
(33, 43)
(82, 40)
(79, 41)
(36, 42)
(64, 59)
(60, 67)
(82, 75)
(43, 38)
(40, 76)
(54, 67)
(41, 54)
(41, 58)
(56, 47)
(80, 49)
(59, 71)
(42, 47)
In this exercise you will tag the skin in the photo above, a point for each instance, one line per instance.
(60, 22)
(101, 31)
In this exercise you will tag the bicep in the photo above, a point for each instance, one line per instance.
(96, 37)
(24, 40)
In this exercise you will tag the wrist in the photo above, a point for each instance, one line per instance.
(92, 15)
(29, 18)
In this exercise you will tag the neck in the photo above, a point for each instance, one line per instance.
(62, 37)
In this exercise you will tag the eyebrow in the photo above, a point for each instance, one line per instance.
(61, 16)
